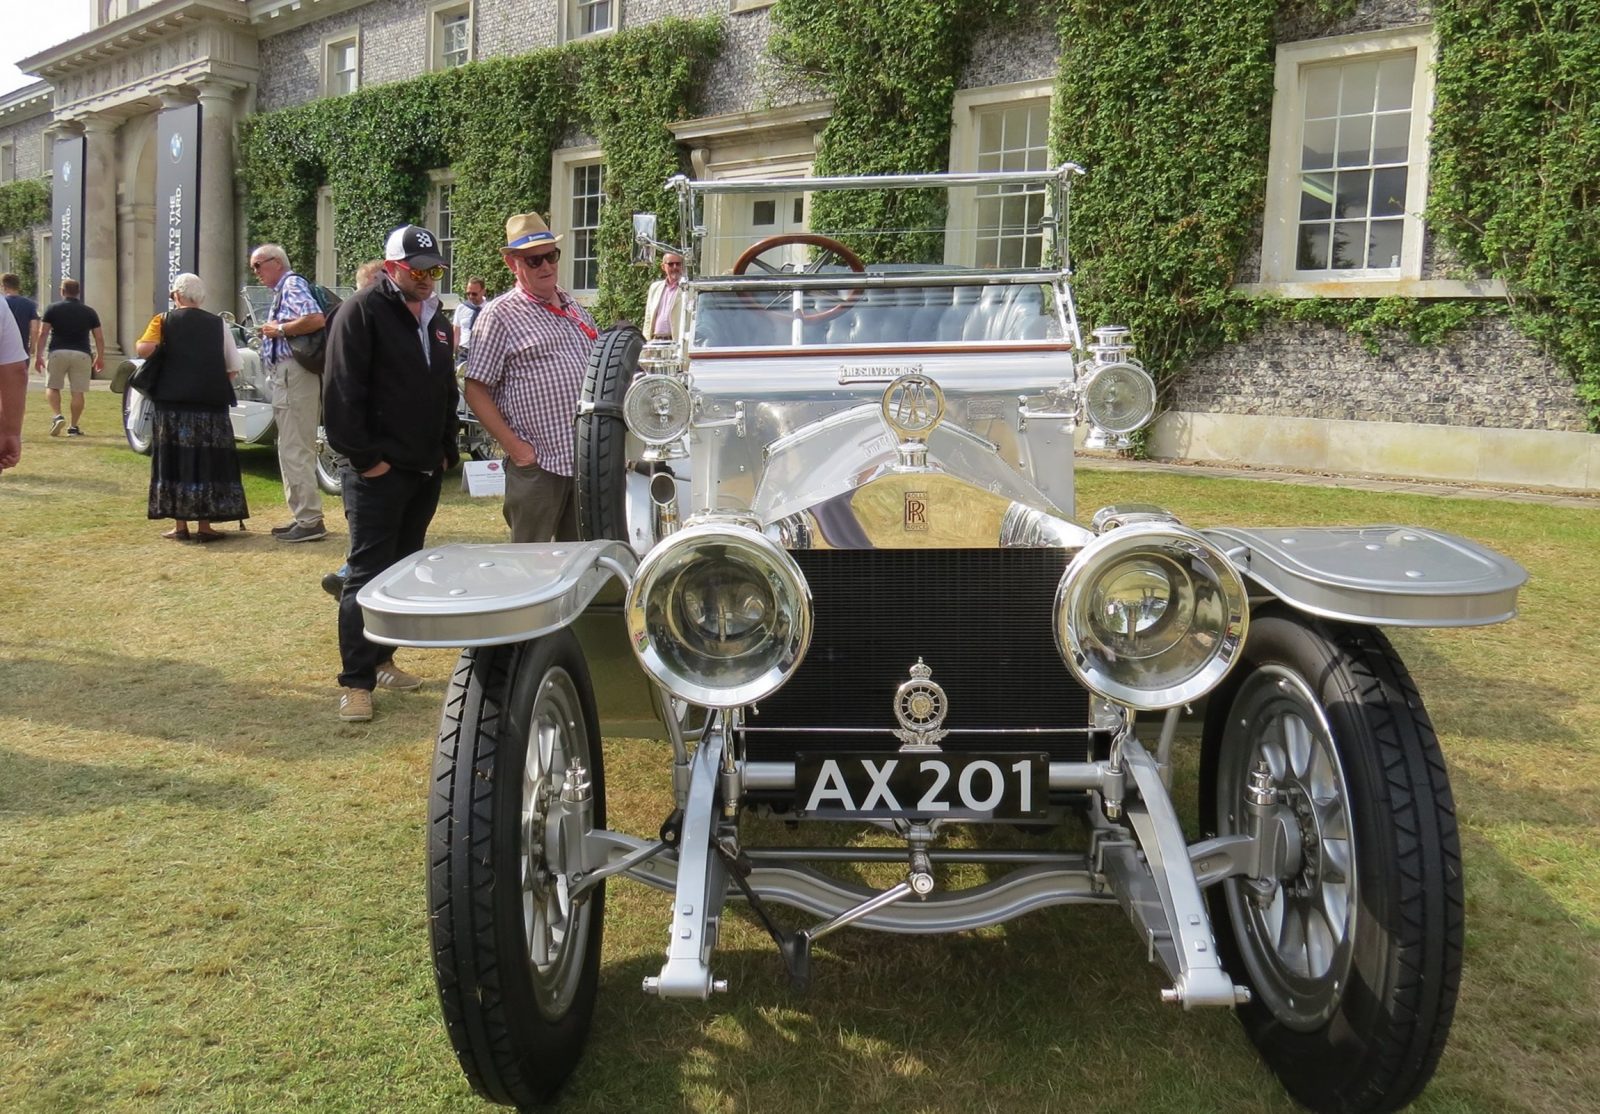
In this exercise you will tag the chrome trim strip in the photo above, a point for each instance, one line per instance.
(950, 730)
(1061, 173)
(834, 280)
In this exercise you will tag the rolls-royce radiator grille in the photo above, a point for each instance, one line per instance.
(979, 618)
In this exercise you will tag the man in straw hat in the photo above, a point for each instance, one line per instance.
(530, 349)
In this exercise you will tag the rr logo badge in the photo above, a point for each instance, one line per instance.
(916, 512)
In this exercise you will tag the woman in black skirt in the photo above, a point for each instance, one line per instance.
(194, 468)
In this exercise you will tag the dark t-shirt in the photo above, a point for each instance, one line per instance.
(26, 311)
(70, 323)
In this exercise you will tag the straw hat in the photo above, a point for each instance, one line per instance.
(528, 230)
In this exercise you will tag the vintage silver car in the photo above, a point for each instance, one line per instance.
(834, 560)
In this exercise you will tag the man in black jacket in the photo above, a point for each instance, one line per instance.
(389, 405)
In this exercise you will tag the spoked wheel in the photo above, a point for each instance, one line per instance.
(1353, 953)
(137, 421)
(816, 305)
(481, 444)
(516, 957)
(330, 466)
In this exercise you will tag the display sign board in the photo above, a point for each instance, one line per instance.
(66, 215)
(483, 477)
(177, 199)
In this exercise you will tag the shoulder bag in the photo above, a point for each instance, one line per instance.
(149, 374)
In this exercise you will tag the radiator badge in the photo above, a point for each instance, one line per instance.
(913, 406)
(916, 517)
(920, 706)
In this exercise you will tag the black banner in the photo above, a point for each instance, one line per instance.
(66, 226)
(177, 199)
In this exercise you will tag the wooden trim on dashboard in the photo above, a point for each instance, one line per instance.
(898, 350)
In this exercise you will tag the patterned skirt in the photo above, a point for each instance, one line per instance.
(194, 466)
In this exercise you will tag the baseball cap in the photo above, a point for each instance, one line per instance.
(414, 245)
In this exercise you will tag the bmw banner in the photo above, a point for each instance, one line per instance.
(66, 208)
(177, 198)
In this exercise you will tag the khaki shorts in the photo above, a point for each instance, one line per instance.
(69, 364)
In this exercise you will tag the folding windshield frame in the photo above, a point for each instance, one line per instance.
(1058, 181)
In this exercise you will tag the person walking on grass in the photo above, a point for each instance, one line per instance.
(66, 330)
(13, 391)
(194, 464)
(295, 389)
(23, 308)
(389, 407)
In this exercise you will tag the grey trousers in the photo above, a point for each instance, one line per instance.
(540, 506)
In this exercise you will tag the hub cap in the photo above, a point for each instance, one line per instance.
(554, 928)
(1297, 935)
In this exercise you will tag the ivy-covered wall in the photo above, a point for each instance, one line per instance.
(24, 206)
(495, 124)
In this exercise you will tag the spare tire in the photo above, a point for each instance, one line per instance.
(600, 437)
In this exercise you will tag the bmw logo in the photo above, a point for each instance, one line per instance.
(177, 147)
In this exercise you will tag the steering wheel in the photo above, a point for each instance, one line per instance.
(829, 303)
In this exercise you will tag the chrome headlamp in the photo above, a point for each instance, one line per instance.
(656, 409)
(1120, 398)
(1151, 615)
(720, 615)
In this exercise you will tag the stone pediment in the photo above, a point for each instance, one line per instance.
(125, 63)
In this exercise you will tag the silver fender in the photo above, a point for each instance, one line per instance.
(486, 595)
(1399, 576)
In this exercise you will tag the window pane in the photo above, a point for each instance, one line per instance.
(1322, 92)
(1395, 78)
(1312, 253)
(1391, 138)
(1355, 141)
(1316, 151)
(764, 213)
(588, 195)
(1350, 193)
(1359, 82)
(1316, 196)
(1349, 245)
(799, 212)
(1389, 192)
(1010, 137)
(1383, 243)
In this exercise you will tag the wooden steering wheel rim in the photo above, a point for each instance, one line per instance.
(812, 239)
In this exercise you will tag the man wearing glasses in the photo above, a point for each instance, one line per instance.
(661, 303)
(530, 349)
(295, 391)
(467, 313)
(389, 405)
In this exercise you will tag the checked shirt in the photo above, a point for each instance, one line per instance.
(292, 299)
(532, 356)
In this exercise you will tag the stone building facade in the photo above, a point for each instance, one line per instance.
(1486, 404)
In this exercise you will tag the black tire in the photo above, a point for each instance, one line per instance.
(142, 445)
(1354, 960)
(330, 466)
(517, 1031)
(600, 437)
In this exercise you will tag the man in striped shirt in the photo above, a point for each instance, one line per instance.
(530, 349)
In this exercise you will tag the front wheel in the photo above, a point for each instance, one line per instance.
(1352, 954)
(516, 958)
(330, 466)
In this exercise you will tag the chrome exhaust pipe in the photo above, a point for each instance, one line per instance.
(663, 504)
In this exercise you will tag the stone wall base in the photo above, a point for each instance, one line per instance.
(1466, 454)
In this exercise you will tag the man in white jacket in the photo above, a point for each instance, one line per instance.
(661, 310)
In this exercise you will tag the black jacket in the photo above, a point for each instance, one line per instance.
(193, 370)
(381, 398)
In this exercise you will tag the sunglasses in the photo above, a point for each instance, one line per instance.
(674, 265)
(434, 273)
(533, 261)
(257, 264)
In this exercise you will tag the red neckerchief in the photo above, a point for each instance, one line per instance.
(569, 314)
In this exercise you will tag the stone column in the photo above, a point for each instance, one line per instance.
(219, 263)
(99, 246)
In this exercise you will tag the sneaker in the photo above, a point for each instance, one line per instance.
(298, 533)
(355, 705)
(391, 676)
(74, 431)
(333, 583)
(57, 424)
(279, 531)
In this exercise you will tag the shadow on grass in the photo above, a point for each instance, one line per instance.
(176, 701)
(31, 785)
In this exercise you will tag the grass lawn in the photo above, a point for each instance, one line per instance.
(211, 890)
